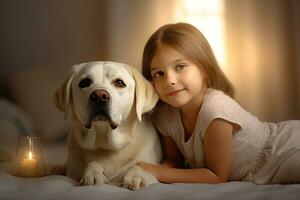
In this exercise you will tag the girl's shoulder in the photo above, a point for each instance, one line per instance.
(216, 100)
(216, 104)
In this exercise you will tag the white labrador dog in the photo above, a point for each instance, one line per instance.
(109, 134)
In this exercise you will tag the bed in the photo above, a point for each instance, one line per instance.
(61, 187)
(14, 122)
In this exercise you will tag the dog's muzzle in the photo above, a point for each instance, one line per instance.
(99, 102)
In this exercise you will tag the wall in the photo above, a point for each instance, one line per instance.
(263, 55)
(56, 33)
(130, 23)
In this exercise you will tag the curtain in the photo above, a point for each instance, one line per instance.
(262, 46)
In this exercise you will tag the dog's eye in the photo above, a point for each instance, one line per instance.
(85, 83)
(119, 83)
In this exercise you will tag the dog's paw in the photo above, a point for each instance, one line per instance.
(137, 178)
(93, 175)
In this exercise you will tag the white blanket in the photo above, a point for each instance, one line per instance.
(61, 187)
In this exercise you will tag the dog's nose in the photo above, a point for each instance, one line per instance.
(100, 96)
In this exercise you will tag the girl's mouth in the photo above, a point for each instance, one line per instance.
(174, 93)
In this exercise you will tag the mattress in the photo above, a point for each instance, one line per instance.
(62, 187)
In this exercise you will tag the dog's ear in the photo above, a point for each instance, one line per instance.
(145, 95)
(62, 95)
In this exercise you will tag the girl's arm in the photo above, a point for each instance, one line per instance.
(172, 156)
(217, 151)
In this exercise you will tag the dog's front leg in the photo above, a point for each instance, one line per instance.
(137, 178)
(93, 174)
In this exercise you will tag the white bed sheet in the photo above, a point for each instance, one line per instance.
(61, 187)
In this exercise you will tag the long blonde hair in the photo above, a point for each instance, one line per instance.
(189, 41)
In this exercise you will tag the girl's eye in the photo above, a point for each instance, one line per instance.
(86, 82)
(157, 74)
(180, 66)
(119, 83)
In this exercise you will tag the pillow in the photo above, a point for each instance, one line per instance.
(32, 89)
(13, 123)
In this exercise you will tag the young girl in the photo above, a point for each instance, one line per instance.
(207, 137)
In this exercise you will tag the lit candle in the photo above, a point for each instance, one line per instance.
(28, 166)
(28, 161)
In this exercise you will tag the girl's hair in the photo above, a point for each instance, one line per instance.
(189, 41)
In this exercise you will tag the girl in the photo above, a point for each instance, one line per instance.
(202, 126)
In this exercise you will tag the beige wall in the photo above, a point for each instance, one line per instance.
(130, 24)
(262, 42)
(56, 33)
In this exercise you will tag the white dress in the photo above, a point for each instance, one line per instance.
(262, 152)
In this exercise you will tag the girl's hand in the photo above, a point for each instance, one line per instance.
(153, 169)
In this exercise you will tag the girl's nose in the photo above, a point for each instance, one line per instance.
(171, 78)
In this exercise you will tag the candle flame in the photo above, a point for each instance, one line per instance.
(30, 155)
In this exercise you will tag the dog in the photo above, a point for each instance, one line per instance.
(111, 131)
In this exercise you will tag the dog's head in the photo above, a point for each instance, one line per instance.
(104, 92)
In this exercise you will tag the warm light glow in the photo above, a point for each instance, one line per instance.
(208, 17)
(30, 155)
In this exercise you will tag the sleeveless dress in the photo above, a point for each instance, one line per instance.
(262, 152)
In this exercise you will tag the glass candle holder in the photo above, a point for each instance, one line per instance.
(29, 159)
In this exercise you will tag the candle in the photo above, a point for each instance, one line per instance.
(28, 161)
(28, 166)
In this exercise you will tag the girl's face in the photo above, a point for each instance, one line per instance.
(177, 80)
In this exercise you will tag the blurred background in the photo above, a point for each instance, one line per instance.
(256, 42)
